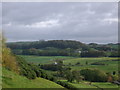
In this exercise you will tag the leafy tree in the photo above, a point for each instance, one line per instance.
(69, 76)
(86, 63)
(77, 76)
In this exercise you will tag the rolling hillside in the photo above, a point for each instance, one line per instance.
(13, 80)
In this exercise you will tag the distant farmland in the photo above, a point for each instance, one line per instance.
(110, 64)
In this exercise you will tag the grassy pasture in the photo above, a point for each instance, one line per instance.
(85, 84)
(43, 59)
(111, 64)
(89, 60)
(105, 85)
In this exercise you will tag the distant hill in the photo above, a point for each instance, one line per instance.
(64, 48)
(61, 44)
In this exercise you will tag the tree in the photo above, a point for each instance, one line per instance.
(77, 76)
(69, 76)
(114, 72)
(86, 63)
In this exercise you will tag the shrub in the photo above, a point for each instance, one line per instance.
(78, 63)
(32, 71)
(97, 63)
(54, 79)
(66, 85)
(51, 67)
(115, 77)
(27, 70)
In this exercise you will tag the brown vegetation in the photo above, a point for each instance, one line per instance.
(8, 59)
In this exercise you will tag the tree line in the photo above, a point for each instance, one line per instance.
(64, 48)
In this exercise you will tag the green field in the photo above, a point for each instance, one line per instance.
(105, 85)
(85, 84)
(43, 59)
(13, 80)
(111, 63)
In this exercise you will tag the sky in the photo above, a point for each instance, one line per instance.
(95, 22)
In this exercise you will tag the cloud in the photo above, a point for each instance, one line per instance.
(86, 22)
(8, 24)
(110, 20)
(44, 24)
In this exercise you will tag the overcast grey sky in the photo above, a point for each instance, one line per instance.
(81, 21)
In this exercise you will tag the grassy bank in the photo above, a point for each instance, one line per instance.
(13, 80)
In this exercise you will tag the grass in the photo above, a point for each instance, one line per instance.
(109, 67)
(105, 85)
(89, 60)
(13, 80)
(85, 84)
(43, 59)
(111, 63)
(82, 85)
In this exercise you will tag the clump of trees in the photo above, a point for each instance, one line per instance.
(70, 75)
(32, 71)
(94, 75)
(93, 54)
(73, 76)
(53, 67)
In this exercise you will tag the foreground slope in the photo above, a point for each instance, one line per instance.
(13, 80)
